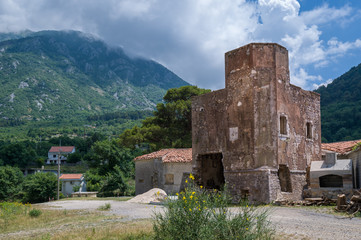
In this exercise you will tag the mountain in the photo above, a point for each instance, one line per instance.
(341, 107)
(59, 74)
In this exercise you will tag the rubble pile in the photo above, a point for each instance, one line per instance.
(324, 201)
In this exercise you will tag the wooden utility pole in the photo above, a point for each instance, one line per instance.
(59, 159)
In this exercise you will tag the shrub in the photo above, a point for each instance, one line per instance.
(39, 187)
(35, 212)
(76, 188)
(202, 214)
(105, 207)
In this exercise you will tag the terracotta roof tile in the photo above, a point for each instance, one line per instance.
(169, 155)
(71, 176)
(63, 149)
(340, 147)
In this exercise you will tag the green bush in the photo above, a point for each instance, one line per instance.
(35, 212)
(39, 187)
(201, 214)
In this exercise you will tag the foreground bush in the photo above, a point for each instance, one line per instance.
(35, 212)
(201, 214)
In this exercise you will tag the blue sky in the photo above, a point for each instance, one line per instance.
(190, 37)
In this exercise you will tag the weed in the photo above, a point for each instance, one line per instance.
(105, 207)
(9, 211)
(203, 214)
(35, 212)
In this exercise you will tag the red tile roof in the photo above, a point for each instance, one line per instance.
(169, 155)
(340, 147)
(63, 149)
(71, 176)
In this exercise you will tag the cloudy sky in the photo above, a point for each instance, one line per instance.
(190, 37)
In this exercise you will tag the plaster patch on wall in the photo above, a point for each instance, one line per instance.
(233, 134)
(239, 104)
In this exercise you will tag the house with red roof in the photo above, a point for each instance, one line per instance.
(69, 182)
(162, 169)
(61, 152)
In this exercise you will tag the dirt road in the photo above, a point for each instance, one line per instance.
(290, 223)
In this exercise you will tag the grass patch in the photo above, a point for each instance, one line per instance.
(105, 207)
(74, 224)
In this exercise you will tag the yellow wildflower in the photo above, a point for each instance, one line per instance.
(201, 186)
(186, 181)
(191, 176)
(191, 197)
(177, 194)
(190, 210)
(193, 193)
(184, 198)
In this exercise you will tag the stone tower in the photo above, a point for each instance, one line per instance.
(260, 132)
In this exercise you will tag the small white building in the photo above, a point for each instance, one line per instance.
(162, 169)
(69, 181)
(64, 151)
(347, 150)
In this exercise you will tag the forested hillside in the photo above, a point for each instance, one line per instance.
(50, 74)
(341, 107)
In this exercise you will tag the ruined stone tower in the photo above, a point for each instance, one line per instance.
(260, 132)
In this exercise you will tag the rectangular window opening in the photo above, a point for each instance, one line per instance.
(283, 125)
(309, 130)
(169, 179)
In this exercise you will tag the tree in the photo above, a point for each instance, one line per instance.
(18, 154)
(11, 179)
(114, 184)
(74, 157)
(105, 155)
(39, 187)
(171, 125)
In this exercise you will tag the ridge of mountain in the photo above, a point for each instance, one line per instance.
(57, 74)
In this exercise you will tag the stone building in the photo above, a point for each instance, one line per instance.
(259, 133)
(162, 169)
(330, 177)
(347, 150)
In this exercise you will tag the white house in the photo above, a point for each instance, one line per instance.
(54, 152)
(69, 181)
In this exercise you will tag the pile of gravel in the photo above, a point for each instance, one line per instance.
(155, 195)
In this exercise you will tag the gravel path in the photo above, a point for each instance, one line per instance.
(290, 223)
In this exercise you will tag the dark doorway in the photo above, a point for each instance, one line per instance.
(331, 181)
(212, 174)
(284, 176)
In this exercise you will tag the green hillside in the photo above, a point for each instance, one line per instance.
(341, 107)
(56, 75)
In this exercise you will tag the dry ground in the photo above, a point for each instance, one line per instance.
(290, 223)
